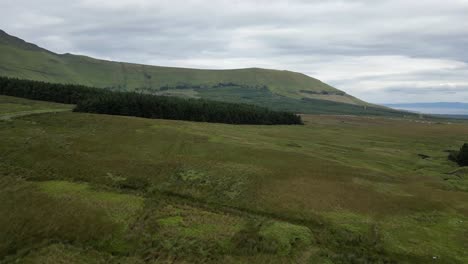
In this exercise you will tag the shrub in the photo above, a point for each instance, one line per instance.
(463, 155)
(460, 157)
(453, 155)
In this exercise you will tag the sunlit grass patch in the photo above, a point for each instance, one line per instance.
(171, 221)
(30, 218)
(266, 236)
(169, 230)
(120, 207)
(283, 237)
(188, 221)
(434, 233)
(226, 182)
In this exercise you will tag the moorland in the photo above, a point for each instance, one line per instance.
(90, 188)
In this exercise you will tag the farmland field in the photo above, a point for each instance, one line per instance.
(86, 188)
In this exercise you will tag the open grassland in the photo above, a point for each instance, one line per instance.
(85, 188)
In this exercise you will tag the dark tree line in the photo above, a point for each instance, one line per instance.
(323, 92)
(183, 86)
(94, 100)
(51, 92)
(150, 106)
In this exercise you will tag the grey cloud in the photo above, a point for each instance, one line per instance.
(427, 89)
(298, 35)
(441, 75)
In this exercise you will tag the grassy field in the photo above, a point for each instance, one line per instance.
(12, 105)
(84, 188)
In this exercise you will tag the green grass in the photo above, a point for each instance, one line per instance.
(414, 233)
(31, 219)
(269, 99)
(283, 236)
(13, 105)
(58, 253)
(337, 190)
(45, 66)
(120, 207)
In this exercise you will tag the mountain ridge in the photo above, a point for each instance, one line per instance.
(443, 108)
(438, 104)
(277, 89)
(5, 38)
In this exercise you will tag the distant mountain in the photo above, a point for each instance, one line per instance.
(279, 90)
(452, 116)
(441, 108)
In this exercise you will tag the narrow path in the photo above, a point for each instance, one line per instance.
(9, 116)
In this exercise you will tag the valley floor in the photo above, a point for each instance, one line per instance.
(85, 188)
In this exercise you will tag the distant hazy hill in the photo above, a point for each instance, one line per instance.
(444, 108)
(280, 90)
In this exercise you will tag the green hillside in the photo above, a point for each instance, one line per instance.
(84, 188)
(280, 90)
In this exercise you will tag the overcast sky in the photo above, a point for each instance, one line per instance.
(382, 51)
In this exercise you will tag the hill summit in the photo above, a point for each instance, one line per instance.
(276, 89)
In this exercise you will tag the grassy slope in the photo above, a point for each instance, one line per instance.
(24, 60)
(14, 105)
(329, 191)
(11, 107)
(43, 65)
